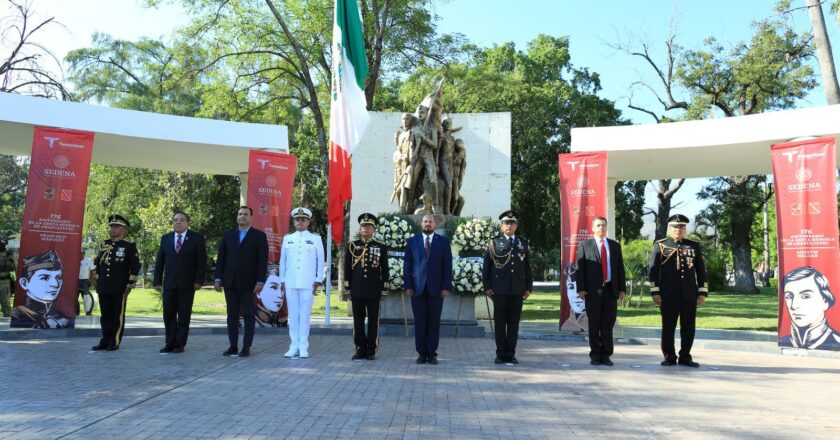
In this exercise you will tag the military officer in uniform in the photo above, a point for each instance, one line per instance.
(117, 265)
(366, 276)
(678, 285)
(508, 281)
(301, 274)
(7, 267)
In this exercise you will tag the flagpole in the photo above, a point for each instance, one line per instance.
(328, 283)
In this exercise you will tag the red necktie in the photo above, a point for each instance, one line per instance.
(428, 245)
(604, 261)
(178, 244)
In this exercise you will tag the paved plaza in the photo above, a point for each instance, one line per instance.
(56, 388)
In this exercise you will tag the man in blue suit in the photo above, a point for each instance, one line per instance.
(241, 267)
(428, 279)
(180, 268)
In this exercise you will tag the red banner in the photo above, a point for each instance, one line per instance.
(805, 175)
(583, 196)
(271, 180)
(51, 237)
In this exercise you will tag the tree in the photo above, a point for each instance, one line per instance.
(822, 44)
(770, 72)
(664, 196)
(26, 67)
(546, 96)
(629, 209)
(14, 174)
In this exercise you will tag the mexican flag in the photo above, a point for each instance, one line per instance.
(348, 113)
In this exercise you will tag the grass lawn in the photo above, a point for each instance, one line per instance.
(722, 310)
(210, 302)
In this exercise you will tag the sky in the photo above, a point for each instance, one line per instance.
(592, 26)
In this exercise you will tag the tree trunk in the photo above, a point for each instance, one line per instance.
(741, 224)
(664, 194)
(824, 55)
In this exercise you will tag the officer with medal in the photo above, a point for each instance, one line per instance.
(117, 266)
(366, 276)
(508, 281)
(301, 274)
(678, 286)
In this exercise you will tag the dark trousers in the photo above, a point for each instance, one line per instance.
(601, 310)
(112, 321)
(177, 310)
(366, 343)
(685, 310)
(240, 300)
(426, 309)
(507, 310)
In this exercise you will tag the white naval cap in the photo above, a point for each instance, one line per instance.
(301, 212)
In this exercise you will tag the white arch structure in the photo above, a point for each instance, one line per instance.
(733, 146)
(141, 139)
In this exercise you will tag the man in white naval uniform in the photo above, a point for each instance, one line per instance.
(301, 273)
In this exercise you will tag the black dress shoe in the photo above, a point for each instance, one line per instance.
(433, 359)
(112, 347)
(421, 359)
(371, 356)
(99, 347)
(607, 362)
(513, 360)
(668, 363)
(178, 350)
(358, 356)
(167, 349)
(246, 351)
(499, 360)
(691, 364)
(231, 351)
(594, 362)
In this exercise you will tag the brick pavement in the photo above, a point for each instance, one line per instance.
(55, 388)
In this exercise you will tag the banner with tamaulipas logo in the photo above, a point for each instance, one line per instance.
(51, 236)
(805, 176)
(583, 196)
(271, 180)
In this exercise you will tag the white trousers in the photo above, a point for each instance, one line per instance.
(300, 307)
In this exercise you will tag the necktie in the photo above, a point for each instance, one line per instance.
(178, 244)
(604, 261)
(511, 241)
(428, 245)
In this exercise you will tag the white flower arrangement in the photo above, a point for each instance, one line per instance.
(473, 234)
(467, 276)
(396, 269)
(394, 231)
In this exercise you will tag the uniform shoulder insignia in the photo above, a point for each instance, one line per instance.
(661, 240)
(690, 241)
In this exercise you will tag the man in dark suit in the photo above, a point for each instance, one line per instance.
(508, 281)
(180, 268)
(600, 282)
(241, 268)
(428, 279)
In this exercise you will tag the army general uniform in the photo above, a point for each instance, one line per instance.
(507, 271)
(366, 276)
(117, 265)
(677, 273)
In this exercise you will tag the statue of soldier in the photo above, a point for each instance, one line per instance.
(446, 157)
(459, 166)
(421, 155)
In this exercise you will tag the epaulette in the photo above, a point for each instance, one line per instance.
(661, 239)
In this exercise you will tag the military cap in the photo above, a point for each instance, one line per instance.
(677, 219)
(46, 261)
(368, 219)
(117, 219)
(508, 216)
(301, 212)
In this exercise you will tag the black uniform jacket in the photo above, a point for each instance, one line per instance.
(181, 270)
(507, 269)
(677, 269)
(117, 266)
(366, 272)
